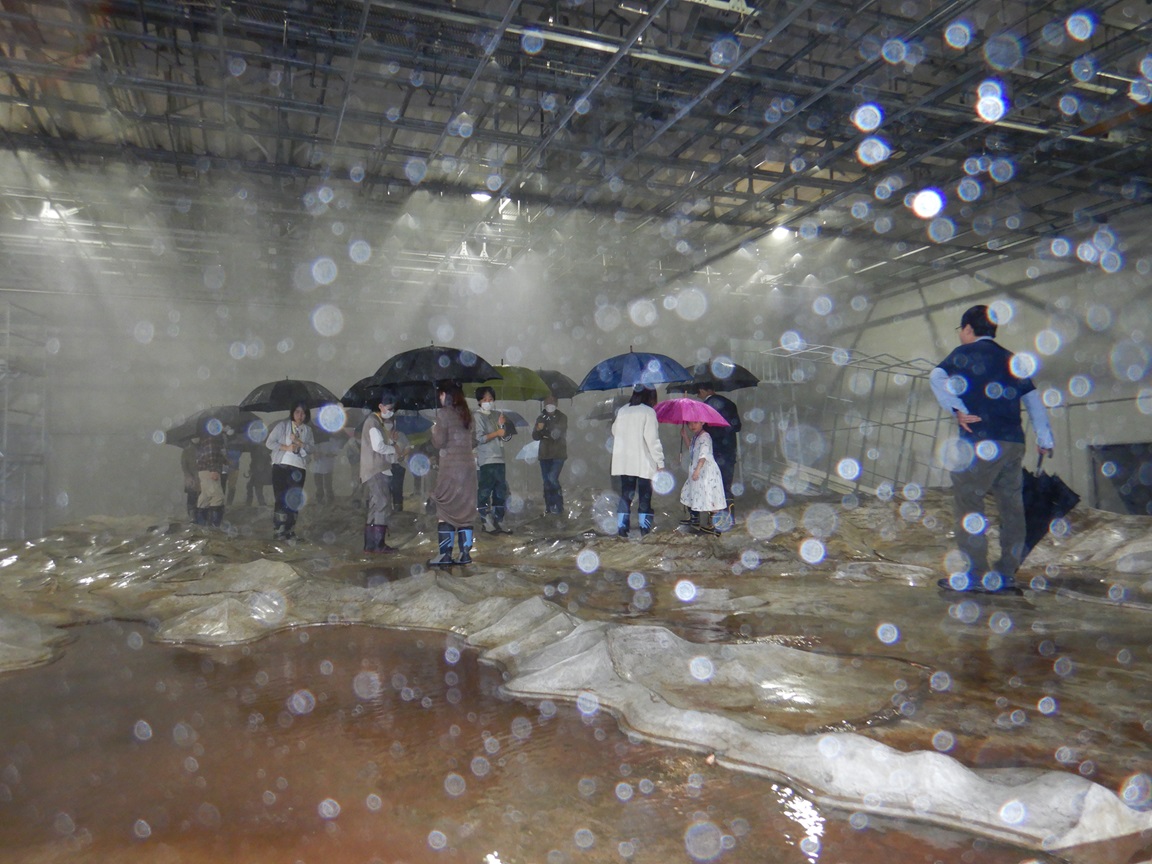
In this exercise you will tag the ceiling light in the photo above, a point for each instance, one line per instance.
(48, 210)
(481, 197)
(780, 233)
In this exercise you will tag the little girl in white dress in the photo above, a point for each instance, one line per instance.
(703, 491)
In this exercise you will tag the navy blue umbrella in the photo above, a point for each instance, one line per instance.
(633, 368)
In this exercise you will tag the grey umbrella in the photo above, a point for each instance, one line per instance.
(246, 428)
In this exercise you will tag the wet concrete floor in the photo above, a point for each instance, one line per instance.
(349, 743)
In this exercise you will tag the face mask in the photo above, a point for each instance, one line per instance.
(486, 407)
(550, 408)
(386, 413)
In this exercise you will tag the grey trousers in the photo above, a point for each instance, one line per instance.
(1002, 477)
(379, 488)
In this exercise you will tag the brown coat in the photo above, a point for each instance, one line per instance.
(455, 491)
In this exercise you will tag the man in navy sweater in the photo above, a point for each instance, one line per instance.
(983, 385)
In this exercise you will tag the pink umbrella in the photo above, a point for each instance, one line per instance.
(687, 411)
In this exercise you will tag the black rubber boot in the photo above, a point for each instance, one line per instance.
(444, 535)
(645, 524)
(464, 540)
(370, 539)
(381, 544)
(623, 521)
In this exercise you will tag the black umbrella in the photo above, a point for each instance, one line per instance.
(366, 392)
(1046, 498)
(246, 428)
(435, 363)
(285, 394)
(561, 385)
(724, 376)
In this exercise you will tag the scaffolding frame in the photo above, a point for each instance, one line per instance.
(837, 420)
(23, 425)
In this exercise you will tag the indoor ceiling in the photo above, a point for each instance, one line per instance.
(662, 137)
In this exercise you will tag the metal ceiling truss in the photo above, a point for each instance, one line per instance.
(696, 126)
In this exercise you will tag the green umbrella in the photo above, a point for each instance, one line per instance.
(517, 384)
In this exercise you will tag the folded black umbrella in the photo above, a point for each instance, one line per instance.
(1046, 498)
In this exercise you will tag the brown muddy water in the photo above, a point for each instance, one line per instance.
(340, 744)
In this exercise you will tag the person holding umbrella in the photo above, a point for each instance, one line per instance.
(491, 431)
(379, 449)
(291, 442)
(636, 457)
(725, 439)
(191, 480)
(703, 491)
(980, 384)
(551, 430)
(454, 494)
(211, 467)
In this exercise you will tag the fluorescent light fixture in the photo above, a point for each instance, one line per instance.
(781, 233)
(481, 197)
(50, 211)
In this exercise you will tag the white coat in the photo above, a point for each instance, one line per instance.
(636, 449)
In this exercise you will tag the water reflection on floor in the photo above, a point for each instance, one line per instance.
(1030, 682)
(355, 744)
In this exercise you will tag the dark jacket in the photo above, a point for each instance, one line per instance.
(551, 430)
(724, 438)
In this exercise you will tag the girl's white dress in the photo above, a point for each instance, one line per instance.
(706, 494)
